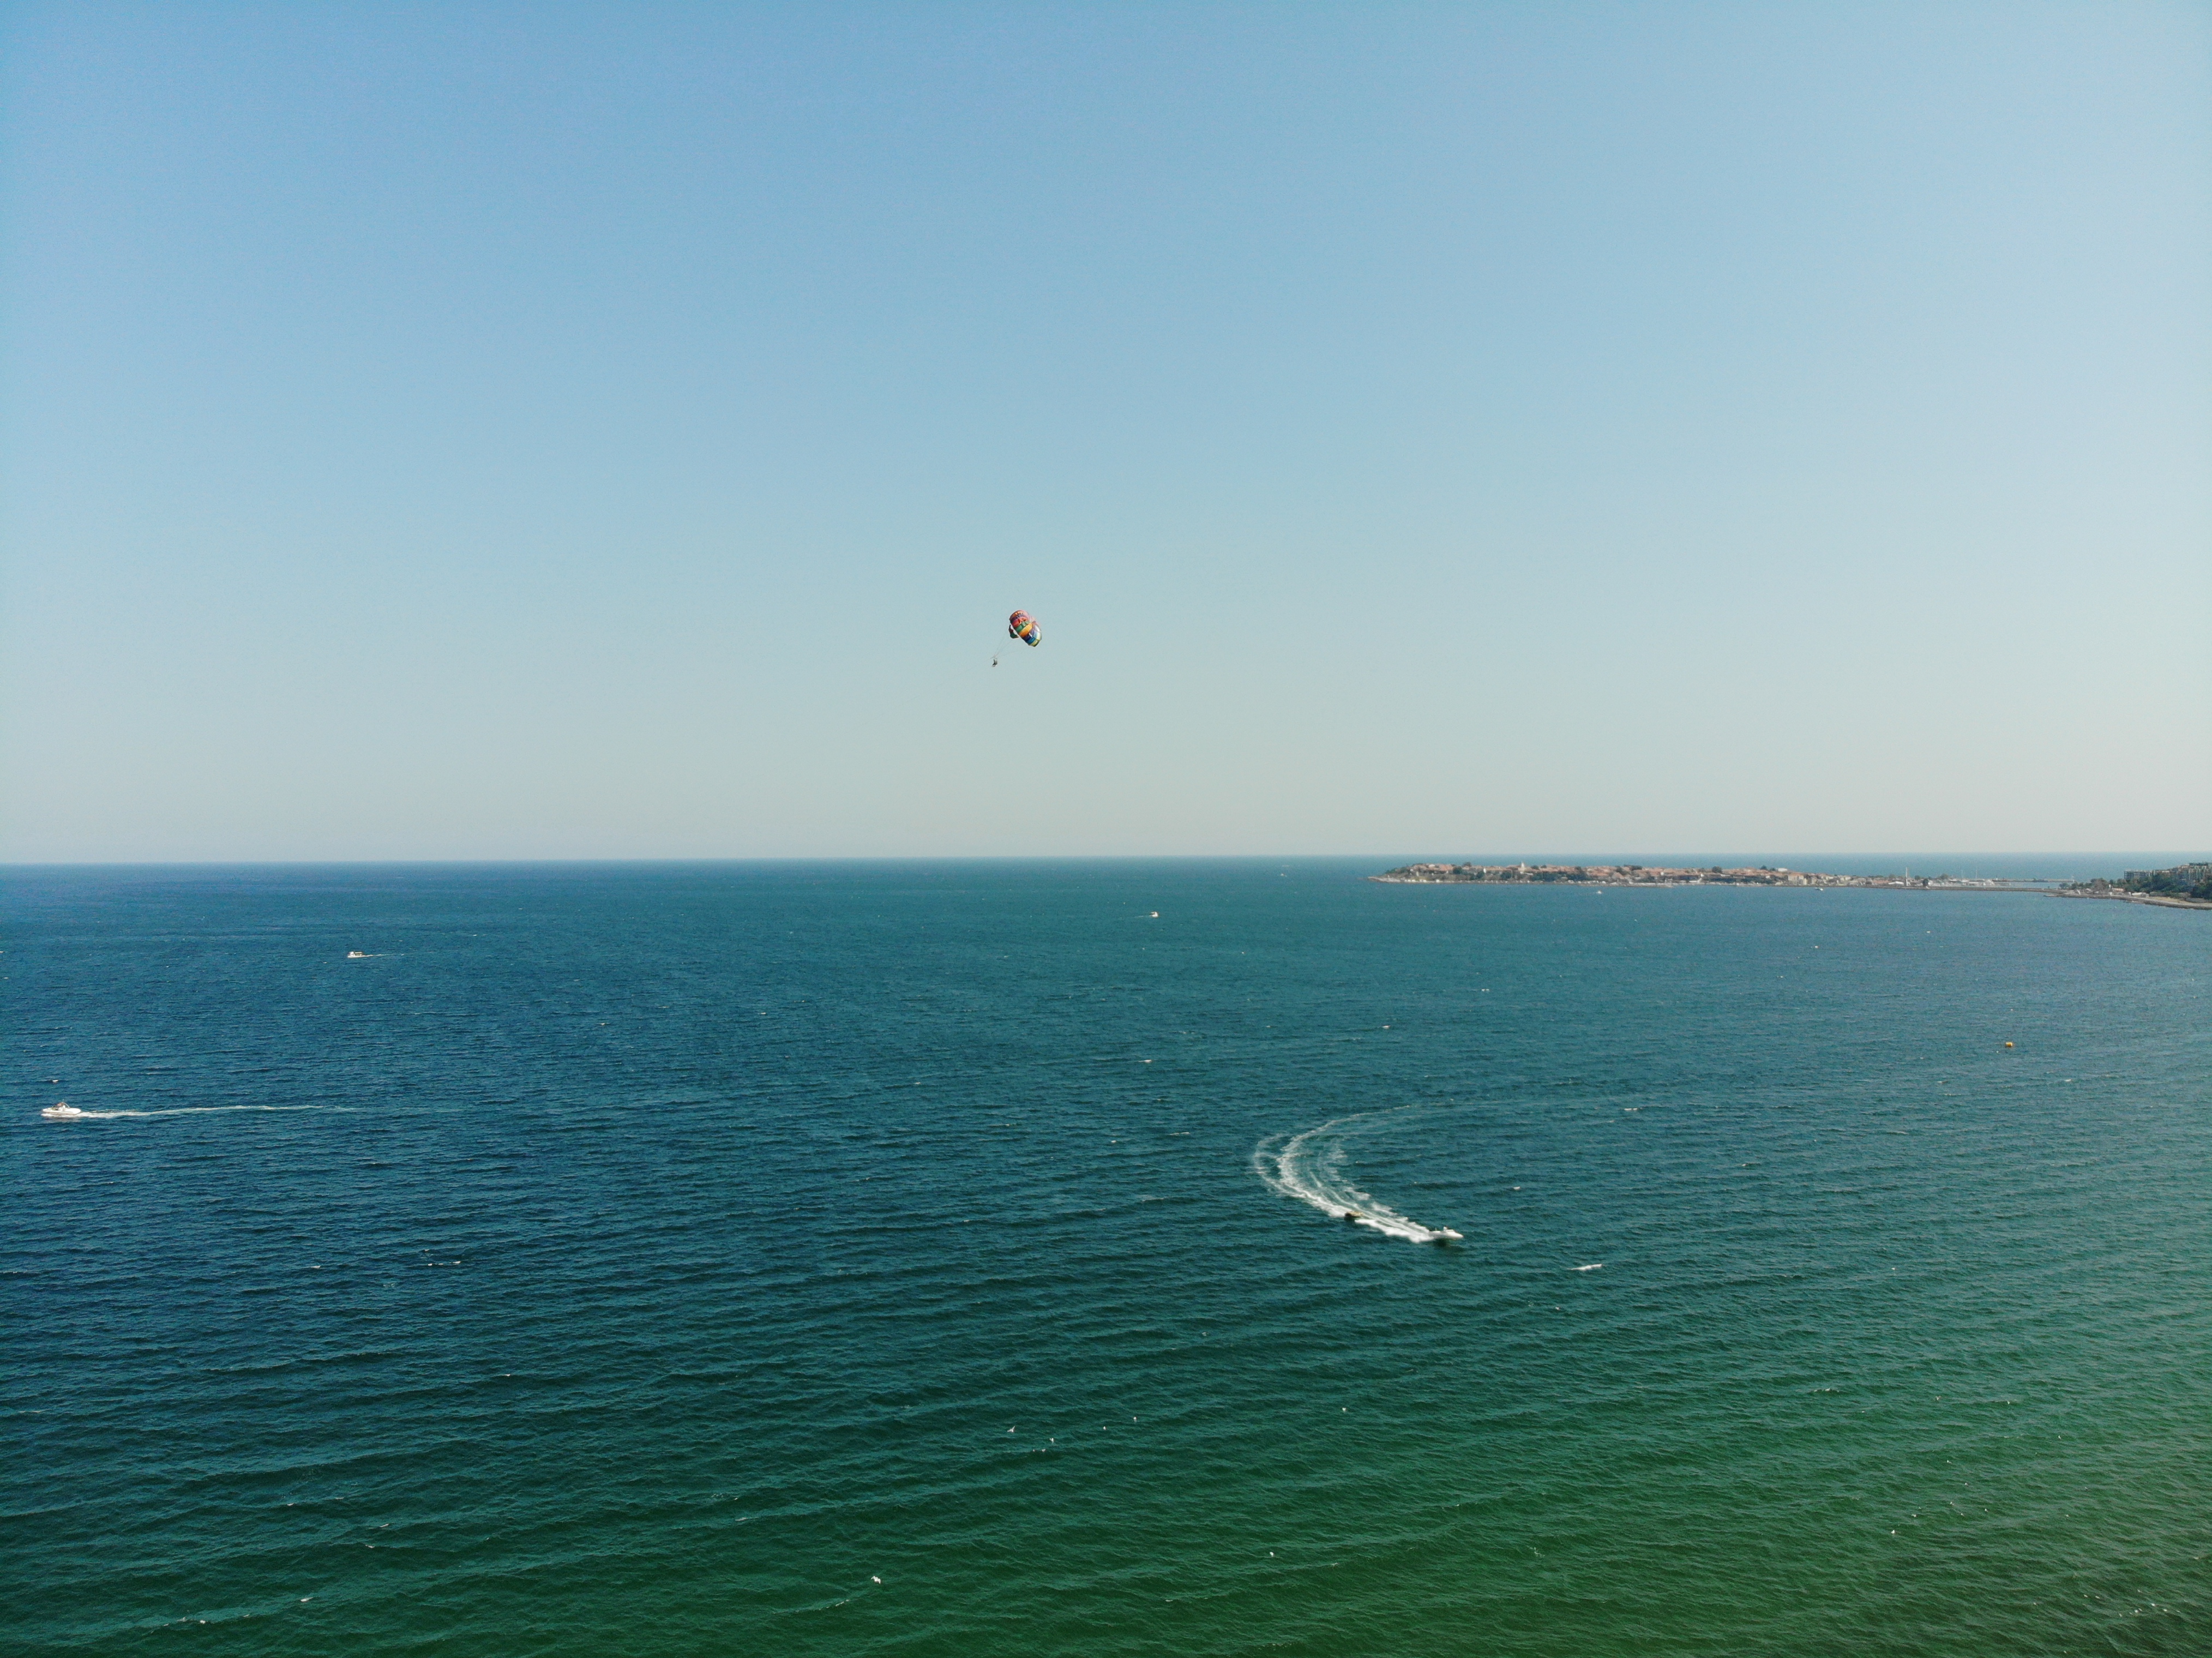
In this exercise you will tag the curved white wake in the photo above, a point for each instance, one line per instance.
(1309, 1166)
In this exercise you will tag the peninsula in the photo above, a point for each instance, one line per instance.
(1651, 875)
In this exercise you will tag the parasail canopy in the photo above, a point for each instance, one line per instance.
(1023, 626)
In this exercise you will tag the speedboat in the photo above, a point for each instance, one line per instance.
(63, 1111)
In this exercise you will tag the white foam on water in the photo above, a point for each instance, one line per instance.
(53, 1114)
(1309, 1166)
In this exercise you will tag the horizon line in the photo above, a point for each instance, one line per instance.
(1615, 858)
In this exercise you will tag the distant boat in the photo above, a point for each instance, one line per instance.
(357, 955)
(63, 1111)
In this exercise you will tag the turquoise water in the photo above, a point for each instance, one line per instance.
(859, 1259)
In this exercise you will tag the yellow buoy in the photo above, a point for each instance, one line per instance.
(2007, 1044)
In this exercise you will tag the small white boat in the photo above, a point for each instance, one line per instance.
(63, 1111)
(357, 955)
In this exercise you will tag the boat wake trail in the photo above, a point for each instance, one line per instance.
(66, 1113)
(1309, 1166)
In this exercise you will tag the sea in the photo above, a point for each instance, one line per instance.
(1233, 1257)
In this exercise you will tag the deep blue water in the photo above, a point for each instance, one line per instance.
(861, 1260)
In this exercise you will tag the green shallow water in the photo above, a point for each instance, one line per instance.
(872, 1259)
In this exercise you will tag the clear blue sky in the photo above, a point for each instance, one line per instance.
(526, 431)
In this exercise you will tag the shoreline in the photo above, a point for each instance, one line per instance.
(1640, 875)
(2164, 901)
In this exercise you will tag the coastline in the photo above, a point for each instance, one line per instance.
(1640, 875)
(1643, 875)
(2162, 900)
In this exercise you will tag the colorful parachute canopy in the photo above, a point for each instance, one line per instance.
(1022, 626)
